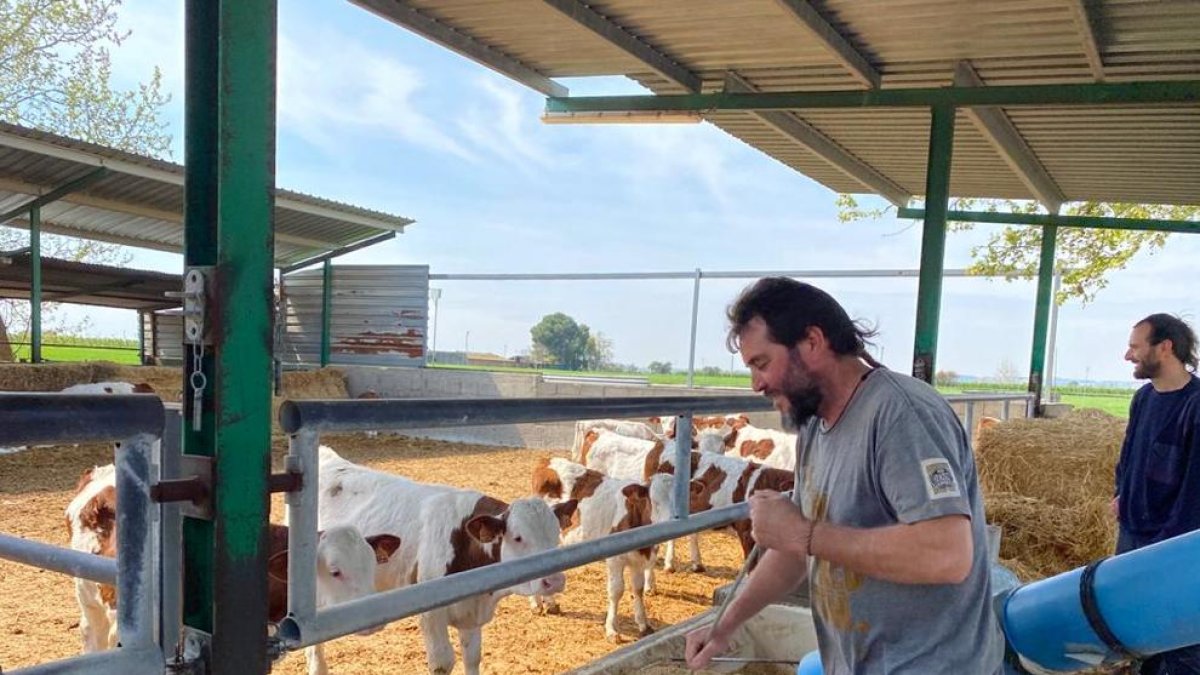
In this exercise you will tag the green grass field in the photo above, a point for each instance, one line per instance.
(1110, 400)
(70, 348)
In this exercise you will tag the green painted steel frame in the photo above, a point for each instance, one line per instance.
(933, 242)
(230, 118)
(1043, 219)
(326, 309)
(1185, 91)
(1041, 316)
(35, 290)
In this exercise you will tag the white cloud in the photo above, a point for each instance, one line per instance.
(505, 125)
(326, 95)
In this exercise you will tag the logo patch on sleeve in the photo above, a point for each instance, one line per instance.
(940, 482)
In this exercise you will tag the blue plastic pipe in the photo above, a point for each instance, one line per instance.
(1150, 599)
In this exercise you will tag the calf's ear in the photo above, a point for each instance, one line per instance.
(485, 529)
(277, 567)
(563, 511)
(385, 546)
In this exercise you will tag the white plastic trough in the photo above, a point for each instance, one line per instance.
(779, 632)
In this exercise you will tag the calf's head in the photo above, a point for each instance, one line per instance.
(527, 527)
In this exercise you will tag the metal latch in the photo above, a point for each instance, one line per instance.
(195, 301)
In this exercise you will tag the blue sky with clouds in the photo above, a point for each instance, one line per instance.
(373, 115)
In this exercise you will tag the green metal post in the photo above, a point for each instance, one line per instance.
(242, 332)
(200, 249)
(326, 309)
(35, 292)
(933, 241)
(230, 184)
(1041, 317)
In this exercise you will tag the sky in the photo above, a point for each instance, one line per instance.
(375, 116)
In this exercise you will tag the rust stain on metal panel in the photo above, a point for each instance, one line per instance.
(411, 343)
(410, 314)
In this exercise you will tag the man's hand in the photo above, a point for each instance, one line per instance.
(777, 523)
(1114, 506)
(701, 647)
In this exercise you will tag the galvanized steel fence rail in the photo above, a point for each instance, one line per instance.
(306, 420)
(135, 423)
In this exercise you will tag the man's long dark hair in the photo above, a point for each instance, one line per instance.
(790, 308)
(1175, 329)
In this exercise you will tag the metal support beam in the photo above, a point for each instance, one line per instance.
(1084, 12)
(230, 118)
(1125, 93)
(822, 146)
(933, 242)
(621, 38)
(200, 249)
(1042, 219)
(35, 288)
(403, 13)
(326, 309)
(241, 332)
(56, 194)
(1041, 317)
(1000, 131)
(835, 42)
(339, 252)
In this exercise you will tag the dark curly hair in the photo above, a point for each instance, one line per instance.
(790, 308)
(1175, 329)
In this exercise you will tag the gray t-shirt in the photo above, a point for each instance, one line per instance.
(898, 454)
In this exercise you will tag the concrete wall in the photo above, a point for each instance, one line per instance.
(438, 383)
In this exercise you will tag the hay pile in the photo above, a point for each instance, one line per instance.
(1048, 483)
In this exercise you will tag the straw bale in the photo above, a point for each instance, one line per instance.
(1048, 539)
(319, 383)
(1063, 461)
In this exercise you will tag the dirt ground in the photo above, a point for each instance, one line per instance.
(39, 617)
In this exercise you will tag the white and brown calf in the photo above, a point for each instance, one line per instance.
(109, 388)
(345, 570)
(766, 446)
(606, 506)
(444, 530)
(727, 481)
(630, 428)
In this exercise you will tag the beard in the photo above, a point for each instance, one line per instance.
(803, 396)
(1148, 369)
(803, 403)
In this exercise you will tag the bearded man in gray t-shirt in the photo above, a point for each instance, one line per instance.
(890, 528)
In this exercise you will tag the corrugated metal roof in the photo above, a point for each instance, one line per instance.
(140, 201)
(88, 284)
(1148, 154)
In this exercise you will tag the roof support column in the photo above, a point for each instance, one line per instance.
(933, 240)
(230, 148)
(1041, 316)
(35, 291)
(326, 309)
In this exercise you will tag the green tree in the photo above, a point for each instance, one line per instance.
(56, 65)
(660, 367)
(563, 339)
(945, 378)
(1084, 255)
(599, 351)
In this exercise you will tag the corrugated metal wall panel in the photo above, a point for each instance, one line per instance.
(162, 335)
(380, 315)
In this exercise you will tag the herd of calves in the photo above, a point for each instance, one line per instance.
(380, 531)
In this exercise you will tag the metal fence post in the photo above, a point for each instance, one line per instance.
(135, 546)
(692, 344)
(683, 466)
(302, 528)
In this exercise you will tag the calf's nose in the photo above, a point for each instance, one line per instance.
(555, 583)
